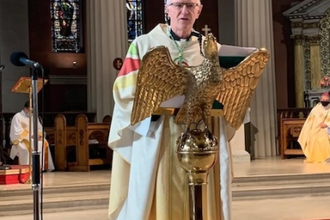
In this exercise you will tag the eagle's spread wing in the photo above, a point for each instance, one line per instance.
(158, 80)
(238, 84)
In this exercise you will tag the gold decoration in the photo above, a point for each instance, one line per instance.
(325, 43)
(197, 153)
(310, 25)
(296, 24)
(313, 40)
(160, 79)
(298, 39)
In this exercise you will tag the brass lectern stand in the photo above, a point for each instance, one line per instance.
(197, 152)
(24, 85)
(160, 79)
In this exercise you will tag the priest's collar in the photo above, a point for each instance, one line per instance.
(177, 38)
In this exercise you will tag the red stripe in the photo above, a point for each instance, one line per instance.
(129, 66)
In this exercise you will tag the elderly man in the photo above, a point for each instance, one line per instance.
(19, 136)
(147, 182)
(314, 136)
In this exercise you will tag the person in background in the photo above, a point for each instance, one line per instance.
(19, 136)
(314, 135)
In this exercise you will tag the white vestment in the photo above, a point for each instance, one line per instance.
(19, 136)
(313, 139)
(147, 182)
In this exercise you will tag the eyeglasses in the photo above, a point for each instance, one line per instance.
(179, 5)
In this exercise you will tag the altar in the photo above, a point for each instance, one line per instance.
(310, 33)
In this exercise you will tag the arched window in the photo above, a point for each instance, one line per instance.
(66, 25)
(134, 18)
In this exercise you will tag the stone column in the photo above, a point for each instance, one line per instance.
(299, 70)
(106, 41)
(237, 142)
(255, 29)
(315, 58)
(237, 145)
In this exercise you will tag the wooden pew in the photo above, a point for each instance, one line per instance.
(290, 123)
(48, 123)
(79, 136)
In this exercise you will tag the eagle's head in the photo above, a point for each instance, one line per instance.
(210, 47)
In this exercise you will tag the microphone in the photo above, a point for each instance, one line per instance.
(2, 67)
(21, 59)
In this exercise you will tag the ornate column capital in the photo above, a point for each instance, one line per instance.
(298, 39)
(311, 28)
(313, 40)
(296, 26)
(311, 25)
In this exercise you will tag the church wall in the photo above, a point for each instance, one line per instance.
(284, 55)
(227, 22)
(72, 98)
(209, 17)
(153, 14)
(57, 65)
(13, 37)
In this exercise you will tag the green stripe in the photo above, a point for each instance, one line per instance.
(132, 50)
(217, 105)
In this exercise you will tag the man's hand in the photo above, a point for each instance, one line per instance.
(39, 137)
(322, 125)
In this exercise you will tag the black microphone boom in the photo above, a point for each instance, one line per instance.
(21, 59)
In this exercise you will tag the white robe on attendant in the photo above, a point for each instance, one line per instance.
(147, 182)
(19, 136)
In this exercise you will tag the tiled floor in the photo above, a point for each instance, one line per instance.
(67, 179)
(277, 166)
(304, 208)
(309, 208)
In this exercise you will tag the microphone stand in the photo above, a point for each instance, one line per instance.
(35, 153)
(3, 165)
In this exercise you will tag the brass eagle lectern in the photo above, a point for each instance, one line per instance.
(160, 79)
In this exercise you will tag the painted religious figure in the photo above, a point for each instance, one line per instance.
(66, 26)
(65, 14)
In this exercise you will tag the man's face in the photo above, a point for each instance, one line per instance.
(27, 110)
(325, 98)
(183, 13)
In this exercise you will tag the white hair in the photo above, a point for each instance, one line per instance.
(169, 1)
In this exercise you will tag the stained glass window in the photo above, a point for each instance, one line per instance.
(134, 19)
(165, 13)
(66, 25)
